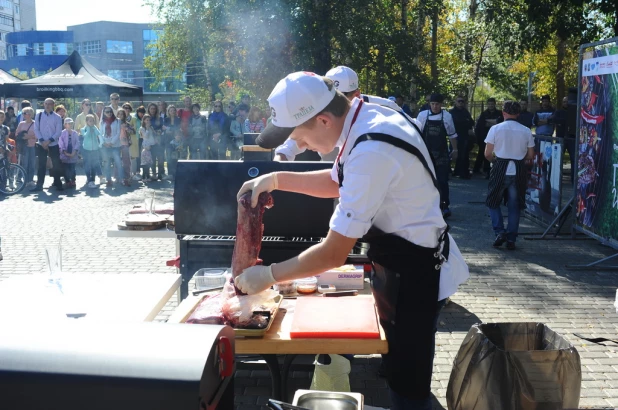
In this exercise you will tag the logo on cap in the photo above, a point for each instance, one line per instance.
(273, 113)
(337, 84)
(303, 111)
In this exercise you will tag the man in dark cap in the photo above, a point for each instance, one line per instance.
(487, 119)
(436, 125)
(508, 144)
(463, 125)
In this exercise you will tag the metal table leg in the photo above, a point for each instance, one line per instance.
(285, 376)
(275, 375)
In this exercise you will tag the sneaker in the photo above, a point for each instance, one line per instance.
(102, 180)
(168, 178)
(136, 178)
(510, 246)
(91, 185)
(36, 188)
(31, 184)
(500, 239)
(446, 213)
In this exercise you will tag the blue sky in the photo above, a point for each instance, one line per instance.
(58, 14)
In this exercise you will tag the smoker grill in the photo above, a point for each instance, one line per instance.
(205, 209)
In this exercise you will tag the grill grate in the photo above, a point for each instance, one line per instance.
(264, 239)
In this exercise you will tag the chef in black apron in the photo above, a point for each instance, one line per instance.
(385, 182)
(436, 126)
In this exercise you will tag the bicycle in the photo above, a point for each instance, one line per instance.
(12, 176)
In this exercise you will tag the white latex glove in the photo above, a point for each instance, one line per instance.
(255, 279)
(265, 183)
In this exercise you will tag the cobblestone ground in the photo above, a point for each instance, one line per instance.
(529, 284)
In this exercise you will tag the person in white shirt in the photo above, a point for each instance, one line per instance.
(345, 80)
(508, 145)
(437, 125)
(388, 195)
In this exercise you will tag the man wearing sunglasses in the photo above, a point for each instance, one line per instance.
(115, 98)
(463, 125)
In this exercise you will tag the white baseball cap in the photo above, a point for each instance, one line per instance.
(294, 100)
(68, 120)
(345, 78)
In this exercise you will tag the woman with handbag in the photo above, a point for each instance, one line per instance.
(25, 133)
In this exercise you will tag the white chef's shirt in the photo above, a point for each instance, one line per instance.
(290, 149)
(446, 117)
(389, 188)
(511, 141)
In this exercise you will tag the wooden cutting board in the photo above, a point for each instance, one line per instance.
(347, 317)
(145, 220)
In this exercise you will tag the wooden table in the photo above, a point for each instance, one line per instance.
(103, 297)
(162, 233)
(278, 341)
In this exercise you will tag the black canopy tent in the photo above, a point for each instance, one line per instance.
(75, 78)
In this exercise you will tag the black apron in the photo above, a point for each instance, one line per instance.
(496, 193)
(405, 284)
(434, 134)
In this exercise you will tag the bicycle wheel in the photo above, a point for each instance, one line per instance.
(12, 180)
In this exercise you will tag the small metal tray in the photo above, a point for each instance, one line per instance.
(312, 399)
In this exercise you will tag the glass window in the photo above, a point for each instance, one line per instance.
(77, 47)
(127, 76)
(169, 84)
(48, 49)
(120, 47)
(21, 50)
(91, 47)
(6, 20)
(151, 35)
(17, 9)
(6, 4)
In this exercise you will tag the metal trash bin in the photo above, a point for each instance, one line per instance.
(514, 366)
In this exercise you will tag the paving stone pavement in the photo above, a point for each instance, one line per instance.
(528, 284)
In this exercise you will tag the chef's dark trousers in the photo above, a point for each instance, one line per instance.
(481, 161)
(462, 165)
(57, 170)
(442, 173)
(407, 308)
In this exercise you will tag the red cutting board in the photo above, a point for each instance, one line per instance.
(347, 317)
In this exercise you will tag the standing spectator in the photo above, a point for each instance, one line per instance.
(48, 127)
(237, 131)
(134, 148)
(25, 132)
(561, 119)
(508, 144)
(425, 106)
(162, 105)
(525, 117)
(100, 105)
(139, 115)
(437, 125)
(11, 120)
(543, 118)
(126, 139)
(254, 122)
(404, 107)
(5, 133)
(198, 128)
(487, 119)
(463, 126)
(80, 120)
(171, 127)
(91, 149)
(115, 99)
(231, 107)
(61, 111)
(185, 114)
(157, 150)
(147, 136)
(69, 150)
(24, 104)
(110, 144)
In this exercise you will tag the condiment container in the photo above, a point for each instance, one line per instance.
(286, 288)
(307, 286)
(208, 278)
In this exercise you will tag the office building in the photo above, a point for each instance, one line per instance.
(15, 15)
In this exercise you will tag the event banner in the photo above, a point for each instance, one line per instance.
(543, 196)
(596, 197)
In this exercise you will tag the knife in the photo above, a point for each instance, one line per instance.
(340, 293)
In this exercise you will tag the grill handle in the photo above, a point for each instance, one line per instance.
(226, 357)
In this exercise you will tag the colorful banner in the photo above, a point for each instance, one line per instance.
(543, 196)
(596, 199)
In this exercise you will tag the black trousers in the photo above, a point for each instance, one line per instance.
(57, 169)
(569, 146)
(481, 161)
(462, 165)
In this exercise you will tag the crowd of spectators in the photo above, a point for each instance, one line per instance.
(118, 144)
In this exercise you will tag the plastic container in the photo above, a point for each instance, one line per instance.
(208, 278)
(307, 286)
(286, 288)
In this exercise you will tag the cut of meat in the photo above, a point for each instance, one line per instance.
(208, 312)
(249, 231)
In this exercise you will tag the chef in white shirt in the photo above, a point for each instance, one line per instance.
(346, 81)
(385, 182)
(436, 125)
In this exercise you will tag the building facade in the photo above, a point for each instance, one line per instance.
(40, 51)
(15, 16)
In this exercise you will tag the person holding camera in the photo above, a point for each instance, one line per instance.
(26, 139)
